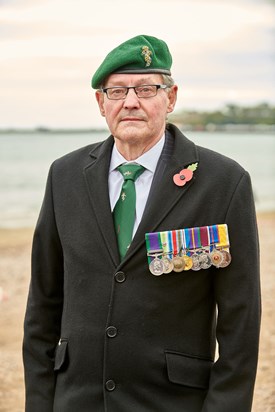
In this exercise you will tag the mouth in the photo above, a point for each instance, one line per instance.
(131, 119)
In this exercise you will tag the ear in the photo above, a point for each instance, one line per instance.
(100, 101)
(172, 96)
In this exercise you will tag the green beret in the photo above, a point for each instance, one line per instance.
(141, 54)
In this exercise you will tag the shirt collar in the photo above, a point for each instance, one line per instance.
(148, 159)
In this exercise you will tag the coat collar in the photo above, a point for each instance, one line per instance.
(96, 176)
(178, 153)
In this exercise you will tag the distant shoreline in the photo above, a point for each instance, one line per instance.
(231, 118)
(211, 128)
(51, 130)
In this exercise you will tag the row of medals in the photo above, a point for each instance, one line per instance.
(198, 260)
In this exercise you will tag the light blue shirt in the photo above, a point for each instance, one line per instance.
(143, 183)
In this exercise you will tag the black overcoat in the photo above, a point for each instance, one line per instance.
(105, 336)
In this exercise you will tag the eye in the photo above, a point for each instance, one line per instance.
(145, 89)
(116, 91)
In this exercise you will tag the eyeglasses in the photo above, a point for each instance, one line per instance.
(144, 91)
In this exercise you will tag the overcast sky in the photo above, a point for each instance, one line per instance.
(223, 52)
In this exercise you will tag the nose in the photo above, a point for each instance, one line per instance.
(131, 101)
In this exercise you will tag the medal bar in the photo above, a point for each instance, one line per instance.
(188, 249)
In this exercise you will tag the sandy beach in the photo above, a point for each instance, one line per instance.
(15, 246)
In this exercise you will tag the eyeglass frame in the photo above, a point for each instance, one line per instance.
(158, 87)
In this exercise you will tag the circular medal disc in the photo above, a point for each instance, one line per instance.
(205, 260)
(216, 258)
(188, 262)
(156, 267)
(196, 263)
(178, 263)
(226, 258)
(168, 265)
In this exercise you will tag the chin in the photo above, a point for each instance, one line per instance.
(131, 132)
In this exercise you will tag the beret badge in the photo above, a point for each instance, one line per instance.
(146, 52)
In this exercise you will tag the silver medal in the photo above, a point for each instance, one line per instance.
(157, 267)
(205, 260)
(168, 265)
(196, 262)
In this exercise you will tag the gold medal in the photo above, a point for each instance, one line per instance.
(188, 262)
(178, 263)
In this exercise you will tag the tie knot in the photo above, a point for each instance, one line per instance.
(131, 171)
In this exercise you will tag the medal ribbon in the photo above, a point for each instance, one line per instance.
(166, 240)
(197, 237)
(223, 235)
(175, 243)
(213, 236)
(184, 247)
(187, 238)
(153, 244)
(180, 241)
(204, 236)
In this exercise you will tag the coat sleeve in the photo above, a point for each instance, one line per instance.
(44, 309)
(237, 289)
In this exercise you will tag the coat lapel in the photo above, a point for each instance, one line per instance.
(96, 176)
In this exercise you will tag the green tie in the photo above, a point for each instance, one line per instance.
(125, 208)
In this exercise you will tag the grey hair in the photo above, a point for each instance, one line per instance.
(168, 80)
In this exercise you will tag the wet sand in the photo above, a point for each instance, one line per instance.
(15, 246)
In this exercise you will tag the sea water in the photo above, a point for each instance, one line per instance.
(25, 159)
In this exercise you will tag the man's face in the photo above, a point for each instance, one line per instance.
(134, 120)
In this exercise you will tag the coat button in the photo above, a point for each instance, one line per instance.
(110, 385)
(111, 331)
(120, 277)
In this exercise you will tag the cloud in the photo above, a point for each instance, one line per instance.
(50, 49)
(17, 4)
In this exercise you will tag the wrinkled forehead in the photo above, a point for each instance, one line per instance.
(120, 79)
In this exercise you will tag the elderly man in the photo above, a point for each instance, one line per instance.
(144, 255)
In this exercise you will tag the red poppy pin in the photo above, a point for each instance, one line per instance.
(181, 178)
